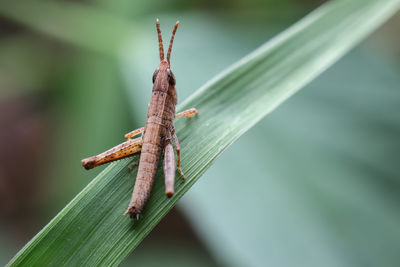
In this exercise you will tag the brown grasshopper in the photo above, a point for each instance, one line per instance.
(156, 136)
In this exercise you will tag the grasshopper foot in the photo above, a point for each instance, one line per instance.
(132, 213)
(181, 173)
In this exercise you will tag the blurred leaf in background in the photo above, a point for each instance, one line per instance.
(318, 180)
(318, 183)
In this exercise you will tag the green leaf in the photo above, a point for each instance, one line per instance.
(91, 230)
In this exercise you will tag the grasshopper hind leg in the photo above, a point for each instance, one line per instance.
(124, 150)
(169, 169)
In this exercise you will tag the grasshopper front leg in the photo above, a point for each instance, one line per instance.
(188, 113)
(134, 133)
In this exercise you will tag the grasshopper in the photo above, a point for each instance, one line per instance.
(156, 136)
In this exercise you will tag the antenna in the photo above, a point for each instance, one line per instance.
(172, 41)
(160, 43)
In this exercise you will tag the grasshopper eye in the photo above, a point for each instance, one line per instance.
(155, 75)
(171, 77)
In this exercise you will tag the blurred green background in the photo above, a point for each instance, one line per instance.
(316, 183)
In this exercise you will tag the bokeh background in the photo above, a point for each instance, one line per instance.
(316, 183)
